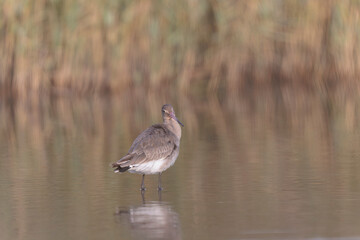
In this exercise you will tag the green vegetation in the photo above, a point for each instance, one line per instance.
(194, 46)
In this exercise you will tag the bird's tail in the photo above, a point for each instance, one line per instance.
(122, 164)
(118, 168)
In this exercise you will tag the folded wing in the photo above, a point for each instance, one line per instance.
(154, 143)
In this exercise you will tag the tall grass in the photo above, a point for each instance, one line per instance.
(193, 46)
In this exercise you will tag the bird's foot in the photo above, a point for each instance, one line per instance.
(160, 188)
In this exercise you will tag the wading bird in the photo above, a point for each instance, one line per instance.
(155, 149)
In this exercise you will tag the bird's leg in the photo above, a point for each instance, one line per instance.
(159, 194)
(142, 183)
(159, 186)
(143, 196)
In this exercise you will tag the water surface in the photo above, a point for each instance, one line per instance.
(265, 167)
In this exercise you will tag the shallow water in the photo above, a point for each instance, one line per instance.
(268, 167)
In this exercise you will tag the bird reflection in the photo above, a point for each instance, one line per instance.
(151, 220)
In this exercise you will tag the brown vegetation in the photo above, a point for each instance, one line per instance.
(195, 46)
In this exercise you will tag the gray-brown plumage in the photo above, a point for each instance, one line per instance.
(155, 149)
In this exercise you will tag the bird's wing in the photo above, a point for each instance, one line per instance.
(154, 143)
(141, 136)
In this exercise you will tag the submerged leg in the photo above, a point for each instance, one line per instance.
(142, 183)
(159, 186)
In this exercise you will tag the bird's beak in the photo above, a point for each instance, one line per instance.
(173, 117)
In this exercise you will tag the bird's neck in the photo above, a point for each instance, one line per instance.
(174, 127)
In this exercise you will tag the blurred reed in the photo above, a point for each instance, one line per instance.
(198, 47)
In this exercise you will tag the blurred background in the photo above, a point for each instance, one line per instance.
(267, 91)
(192, 47)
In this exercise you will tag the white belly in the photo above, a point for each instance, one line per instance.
(151, 167)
